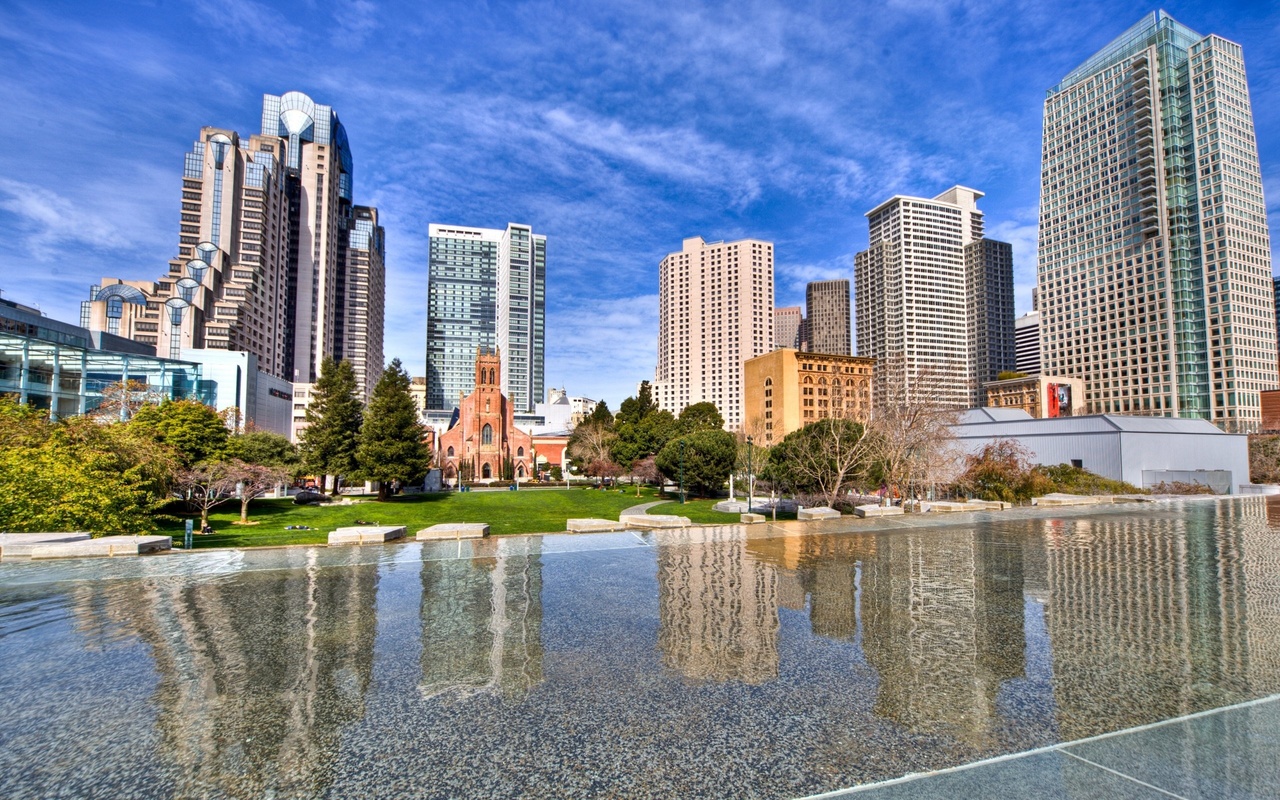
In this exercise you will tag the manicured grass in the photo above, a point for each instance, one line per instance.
(525, 511)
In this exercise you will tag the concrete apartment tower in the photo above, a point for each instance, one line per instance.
(788, 322)
(913, 286)
(990, 311)
(486, 288)
(1154, 268)
(268, 244)
(827, 317)
(715, 311)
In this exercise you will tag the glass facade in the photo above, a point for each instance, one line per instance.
(1153, 275)
(486, 289)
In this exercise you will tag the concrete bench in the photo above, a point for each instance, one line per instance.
(103, 547)
(366, 534)
(454, 530)
(1055, 500)
(878, 511)
(593, 525)
(817, 512)
(944, 507)
(752, 519)
(650, 521)
(18, 545)
(987, 505)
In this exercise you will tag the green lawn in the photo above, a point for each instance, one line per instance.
(526, 511)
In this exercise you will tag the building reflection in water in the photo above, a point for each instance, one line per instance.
(1158, 616)
(717, 607)
(258, 671)
(482, 620)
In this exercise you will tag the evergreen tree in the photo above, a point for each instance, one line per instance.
(391, 447)
(601, 415)
(334, 417)
(700, 417)
(192, 429)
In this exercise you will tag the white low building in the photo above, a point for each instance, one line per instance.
(1143, 451)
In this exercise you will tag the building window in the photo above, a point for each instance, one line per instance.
(486, 436)
(520, 452)
(486, 471)
(450, 452)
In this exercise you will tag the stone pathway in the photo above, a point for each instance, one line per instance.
(643, 508)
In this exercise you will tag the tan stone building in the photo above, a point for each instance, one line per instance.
(485, 437)
(1041, 396)
(787, 389)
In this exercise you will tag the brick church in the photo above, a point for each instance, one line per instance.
(485, 436)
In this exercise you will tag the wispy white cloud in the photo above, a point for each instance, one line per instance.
(248, 21)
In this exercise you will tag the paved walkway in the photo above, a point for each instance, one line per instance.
(643, 508)
(1226, 752)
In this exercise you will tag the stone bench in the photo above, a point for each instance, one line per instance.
(987, 505)
(366, 534)
(944, 507)
(593, 525)
(18, 545)
(817, 512)
(878, 511)
(1055, 500)
(103, 547)
(454, 530)
(650, 521)
(752, 519)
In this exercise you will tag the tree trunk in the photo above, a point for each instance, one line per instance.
(336, 484)
(244, 507)
(204, 518)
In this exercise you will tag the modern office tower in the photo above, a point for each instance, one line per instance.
(787, 322)
(486, 289)
(226, 289)
(912, 286)
(318, 175)
(989, 290)
(358, 326)
(1155, 273)
(268, 234)
(827, 317)
(521, 307)
(1026, 331)
(715, 311)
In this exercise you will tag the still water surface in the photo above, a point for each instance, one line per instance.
(696, 663)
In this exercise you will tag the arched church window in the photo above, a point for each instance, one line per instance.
(449, 453)
(486, 434)
(486, 471)
(520, 452)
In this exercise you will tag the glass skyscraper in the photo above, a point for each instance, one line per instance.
(486, 288)
(1154, 268)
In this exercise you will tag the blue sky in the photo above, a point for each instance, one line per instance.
(615, 128)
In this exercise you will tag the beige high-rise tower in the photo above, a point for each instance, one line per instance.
(715, 311)
(1155, 266)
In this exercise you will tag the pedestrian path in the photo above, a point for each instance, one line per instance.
(643, 508)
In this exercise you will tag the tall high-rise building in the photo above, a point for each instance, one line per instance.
(989, 291)
(913, 286)
(360, 322)
(1026, 331)
(787, 323)
(267, 237)
(1155, 269)
(715, 311)
(827, 317)
(486, 289)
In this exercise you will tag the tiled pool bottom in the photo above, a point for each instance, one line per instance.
(700, 663)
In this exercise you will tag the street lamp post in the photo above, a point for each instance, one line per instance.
(682, 470)
(751, 478)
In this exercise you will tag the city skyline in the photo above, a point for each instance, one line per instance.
(442, 109)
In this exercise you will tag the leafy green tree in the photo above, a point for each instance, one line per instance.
(264, 460)
(391, 442)
(634, 409)
(823, 457)
(708, 459)
(78, 475)
(600, 415)
(194, 431)
(645, 437)
(334, 417)
(700, 417)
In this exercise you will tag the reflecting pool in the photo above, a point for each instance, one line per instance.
(710, 662)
